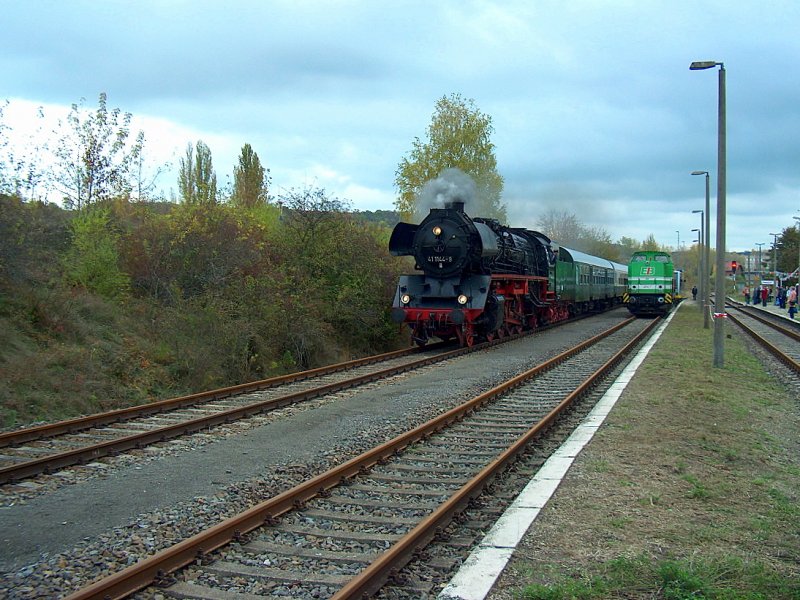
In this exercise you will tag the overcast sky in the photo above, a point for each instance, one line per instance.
(594, 108)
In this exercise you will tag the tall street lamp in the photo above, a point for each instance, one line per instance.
(699, 242)
(798, 247)
(706, 215)
(748, 269)
(719, 279)
(760, 274)
(775, 258)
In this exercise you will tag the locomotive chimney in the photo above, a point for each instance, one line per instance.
(457, 205)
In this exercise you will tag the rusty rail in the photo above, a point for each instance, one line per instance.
(774, 323)
(771, 348)
(371, 579)
(47, 464)
(149, 570)
(30, 434)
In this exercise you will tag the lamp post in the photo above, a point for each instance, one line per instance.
(760, 274)
(702, 256)
(748, 268)
(706, 248)
(705, 215)
(798, 247)
(699, 242)
(775, 258)
(719, 279)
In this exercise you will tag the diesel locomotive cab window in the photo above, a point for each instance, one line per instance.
(663, 259)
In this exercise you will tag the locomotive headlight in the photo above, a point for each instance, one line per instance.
(437, 231)
(462, 299)
(405, 298)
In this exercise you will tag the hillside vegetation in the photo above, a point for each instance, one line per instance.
(124, 302)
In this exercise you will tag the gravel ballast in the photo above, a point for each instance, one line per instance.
(88, 522)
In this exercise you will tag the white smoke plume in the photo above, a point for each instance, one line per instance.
(451, 185)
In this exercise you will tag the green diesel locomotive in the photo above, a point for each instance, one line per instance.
(651, 283)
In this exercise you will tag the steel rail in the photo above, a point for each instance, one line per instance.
(158, 566)
(773, 349)
(47, 464)
(785, 329)
(39, 432)
(30, 434)
(373, 577)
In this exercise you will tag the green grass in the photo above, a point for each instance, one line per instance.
(670, 579)
(698, 491)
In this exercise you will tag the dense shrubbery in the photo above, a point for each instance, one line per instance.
(122, 302)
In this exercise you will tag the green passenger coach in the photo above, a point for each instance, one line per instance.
(587, 283)
(651, 283)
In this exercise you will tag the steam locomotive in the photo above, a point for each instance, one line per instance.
(481, 280)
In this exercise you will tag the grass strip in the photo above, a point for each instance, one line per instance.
(690, 490)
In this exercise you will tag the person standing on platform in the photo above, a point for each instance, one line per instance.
(764, 295)
(791, 300)
(746, 292)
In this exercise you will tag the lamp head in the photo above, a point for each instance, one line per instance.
(699, 65)
(699, 172)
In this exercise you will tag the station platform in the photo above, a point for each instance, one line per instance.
(771, 308)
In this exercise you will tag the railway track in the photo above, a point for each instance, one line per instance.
(48, 448)
(777, 335)
(346, 532)
(45, 449)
